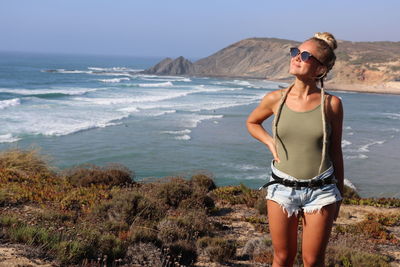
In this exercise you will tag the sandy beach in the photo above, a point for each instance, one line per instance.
(384, 88)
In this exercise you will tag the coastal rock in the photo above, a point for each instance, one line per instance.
(179, 66)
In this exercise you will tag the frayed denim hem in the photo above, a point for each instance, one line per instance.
(287, 209)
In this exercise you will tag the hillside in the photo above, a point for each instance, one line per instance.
(365, 64)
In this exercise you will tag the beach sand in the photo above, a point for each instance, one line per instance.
(384, 88)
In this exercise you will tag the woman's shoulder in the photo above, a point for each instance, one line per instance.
(334, 104)
(333, 100)
(275, 96)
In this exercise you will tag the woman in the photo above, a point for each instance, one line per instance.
(307, 169)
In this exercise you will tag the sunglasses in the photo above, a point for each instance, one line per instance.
(304, 56)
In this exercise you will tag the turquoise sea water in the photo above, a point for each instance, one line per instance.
(98, 109)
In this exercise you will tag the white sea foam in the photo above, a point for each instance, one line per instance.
(86, 125)
(186, 131)
(183, 137)
(204, 89)
(164, 84)
(129, 109)
(393, 116)
(160, 113)
(348, 128)
(166, 80)
(128, 100)
(73, 71)
(9, 103)
(243, 167)
(365, 148)
(69, 91)
(8, 138)
(192, 123)
(348, 183)
(345, 143)
(115, 69)
(358, 156)
(114, 80)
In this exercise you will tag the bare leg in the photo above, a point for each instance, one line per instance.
(316, 231)
(284, 235)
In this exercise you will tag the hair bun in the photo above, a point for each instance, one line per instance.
(328, 38)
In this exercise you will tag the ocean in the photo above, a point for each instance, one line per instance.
(98, 109)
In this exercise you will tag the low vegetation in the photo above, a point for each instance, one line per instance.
(92, 216)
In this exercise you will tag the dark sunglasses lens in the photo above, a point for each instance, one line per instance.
(305, 56)
(294, 51)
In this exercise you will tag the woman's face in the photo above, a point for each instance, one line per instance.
(309, 69)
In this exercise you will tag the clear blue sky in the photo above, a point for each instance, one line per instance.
(189, 28)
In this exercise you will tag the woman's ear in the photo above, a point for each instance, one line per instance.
(322, 71)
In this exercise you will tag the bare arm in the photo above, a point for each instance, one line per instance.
(335, 150)
(262, 112)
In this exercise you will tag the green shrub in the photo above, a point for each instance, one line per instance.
(198, 200)
(217, 249)
(144, 254)
(386, 220)
(203, 181)
(348, 257)
(25, 163)
(236, 195)
(187, 226)
(144, 234)
(173, 191)
(129, 206)
(182, 252)
(88, 174)
(349, 192)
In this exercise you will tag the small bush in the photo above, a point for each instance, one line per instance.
(261, 204)
(349, 192)
(87, 175)
(143, 254)
(129, 206)
(256, 246)
(217, 249)
(376, 202)
(370, 229)
(26, 163)
(173, 192)
(338, 256)
(143, 234)
(182, 252)
(386, 220)
(188, 226)
(236, 195)
(111, 246)
(203, 181)
(198, 200)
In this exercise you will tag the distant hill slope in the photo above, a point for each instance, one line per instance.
(367, 63)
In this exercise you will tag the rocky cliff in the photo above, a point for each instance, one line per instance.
(368, 63)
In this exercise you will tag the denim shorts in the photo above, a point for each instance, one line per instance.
(292, 200)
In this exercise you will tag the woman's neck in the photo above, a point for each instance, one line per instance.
(304, 88)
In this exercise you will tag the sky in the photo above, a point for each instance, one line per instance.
(189, 28)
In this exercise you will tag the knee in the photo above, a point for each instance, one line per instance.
(284, 258)
(313, 260)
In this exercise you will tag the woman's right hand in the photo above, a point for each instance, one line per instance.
(272, 148)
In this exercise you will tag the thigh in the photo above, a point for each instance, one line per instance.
(283, 229)
(317, 227)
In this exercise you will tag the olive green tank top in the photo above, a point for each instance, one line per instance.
(299, 143)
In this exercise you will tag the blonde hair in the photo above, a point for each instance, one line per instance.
(327, 43)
